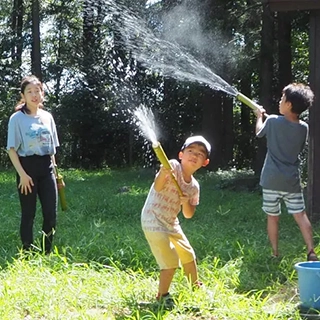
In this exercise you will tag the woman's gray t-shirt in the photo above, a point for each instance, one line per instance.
(32, 135)
(285, 141)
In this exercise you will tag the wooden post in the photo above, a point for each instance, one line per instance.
(313, 199)
(293, 5)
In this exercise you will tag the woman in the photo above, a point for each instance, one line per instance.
(31, 145)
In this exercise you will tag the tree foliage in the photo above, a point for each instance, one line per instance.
(93, 80)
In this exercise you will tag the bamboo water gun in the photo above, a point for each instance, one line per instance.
(247, 101)
(165, 162)
(61, 189)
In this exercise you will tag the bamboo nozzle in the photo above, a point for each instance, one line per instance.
(61, 192)
(251, 104)
(161, 155)
(165, 162)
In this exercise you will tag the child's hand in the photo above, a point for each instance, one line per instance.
(60, 184)
(165, 172)
(184, 199)
(187, 208)
(259, 112)
(162, 177)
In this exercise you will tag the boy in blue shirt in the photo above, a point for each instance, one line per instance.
(280, 178)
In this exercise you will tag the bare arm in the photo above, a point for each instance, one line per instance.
(260, 114)
(26, 182)
(259, 124)
(161, 179)
(188, 210)
(53, 160)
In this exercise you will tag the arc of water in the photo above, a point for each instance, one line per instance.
(166, 57)
(146, 124)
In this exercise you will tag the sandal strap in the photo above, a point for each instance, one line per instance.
(312, 256)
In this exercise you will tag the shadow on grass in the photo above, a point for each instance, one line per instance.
(308, 314)
(102, 224)
(160, 311)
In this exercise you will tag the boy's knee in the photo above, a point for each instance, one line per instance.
(274, 217)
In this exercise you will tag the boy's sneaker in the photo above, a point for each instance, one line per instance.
(311, 256)
(166, 301)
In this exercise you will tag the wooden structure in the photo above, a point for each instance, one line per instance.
(290, 5)
(313, 193)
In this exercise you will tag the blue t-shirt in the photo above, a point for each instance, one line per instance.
(285, 141)
(32, 134)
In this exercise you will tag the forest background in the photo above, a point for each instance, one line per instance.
(93, 82)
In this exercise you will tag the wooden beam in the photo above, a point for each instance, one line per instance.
(313, 201)
(290, 5)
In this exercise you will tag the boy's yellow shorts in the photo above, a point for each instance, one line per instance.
(170, 248)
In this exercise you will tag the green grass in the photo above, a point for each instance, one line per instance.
(102, 267)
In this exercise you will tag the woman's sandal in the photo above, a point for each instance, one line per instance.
(312, 256)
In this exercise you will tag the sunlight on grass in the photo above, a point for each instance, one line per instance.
(102, 267)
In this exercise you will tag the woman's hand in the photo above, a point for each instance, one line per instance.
(60, 184)
(25, 184)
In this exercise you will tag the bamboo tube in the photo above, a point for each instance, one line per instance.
(165, 162)
(61, 190)
(251, 104)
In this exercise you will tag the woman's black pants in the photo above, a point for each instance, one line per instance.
(40, 169)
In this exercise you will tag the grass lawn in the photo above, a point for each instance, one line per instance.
(102, 267)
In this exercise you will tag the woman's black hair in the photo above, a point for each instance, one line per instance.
(22, 106)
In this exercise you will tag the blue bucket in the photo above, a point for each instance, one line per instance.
(309, 283)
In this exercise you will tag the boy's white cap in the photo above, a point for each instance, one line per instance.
(197, 139)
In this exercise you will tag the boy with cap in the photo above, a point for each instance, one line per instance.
(160, 224)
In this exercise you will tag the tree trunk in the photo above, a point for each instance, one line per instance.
(16, 26)
(88, 40)
(168, 132)
(212, 124)
(285, 56)
(313, 203)
(247, 140)
(36, 51)
(58, 62)
(246, 128)
(266, 80)
(92, 20)
(228, 132)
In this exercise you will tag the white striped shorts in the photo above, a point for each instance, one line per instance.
(272, 202)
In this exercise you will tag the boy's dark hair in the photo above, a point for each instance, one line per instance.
(300, 96)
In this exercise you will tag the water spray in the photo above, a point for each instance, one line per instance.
(146, 122)
(168, 58)
(158, 150)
